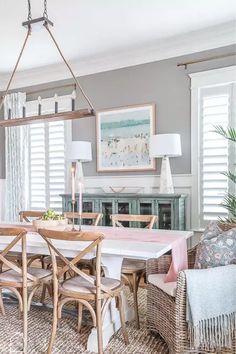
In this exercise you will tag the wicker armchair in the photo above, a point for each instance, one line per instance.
(166, 315)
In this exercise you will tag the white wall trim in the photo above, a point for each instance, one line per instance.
(192, 42)
(146, 183)
(213, 77)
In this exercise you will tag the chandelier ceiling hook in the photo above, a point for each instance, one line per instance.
(45, 12)
(29, 11)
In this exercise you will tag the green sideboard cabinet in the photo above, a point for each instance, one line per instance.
(170, 208)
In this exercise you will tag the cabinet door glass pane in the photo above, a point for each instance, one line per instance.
(145, 209)
(87, 207)
(107, 211)
(164, 216)
(123, 208)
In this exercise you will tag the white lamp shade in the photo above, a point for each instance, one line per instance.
(81, 151)
(165, 145)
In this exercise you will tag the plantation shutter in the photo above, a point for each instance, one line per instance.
(215, 109)
(47, 156)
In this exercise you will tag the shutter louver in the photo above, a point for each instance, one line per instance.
(214, 154)
(47, 157)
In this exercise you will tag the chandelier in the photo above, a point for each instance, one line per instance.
(45, 23)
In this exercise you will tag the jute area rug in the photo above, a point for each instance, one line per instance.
(69, 341)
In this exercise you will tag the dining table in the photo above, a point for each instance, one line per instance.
(118, 243)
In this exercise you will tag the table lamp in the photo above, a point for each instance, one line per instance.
(165, 146)
(79, 152)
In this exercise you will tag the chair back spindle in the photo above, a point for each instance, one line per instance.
(19, 235)
(29, 215)
(94, 217)
(117, 219)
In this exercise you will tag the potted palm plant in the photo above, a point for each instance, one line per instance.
(229, 201)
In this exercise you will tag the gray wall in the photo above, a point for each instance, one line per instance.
(162, 83)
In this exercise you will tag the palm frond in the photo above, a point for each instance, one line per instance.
(227, 220)
(229, 203)
(228, 133)
(230, 175)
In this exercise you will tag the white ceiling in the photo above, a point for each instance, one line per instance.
(97, 28)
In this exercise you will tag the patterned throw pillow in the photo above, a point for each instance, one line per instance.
(210, 231)
(216, 248)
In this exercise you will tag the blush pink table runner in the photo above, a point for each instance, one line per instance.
(177, 242)
(178, 245)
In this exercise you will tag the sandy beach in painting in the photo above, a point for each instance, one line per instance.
(125, 140)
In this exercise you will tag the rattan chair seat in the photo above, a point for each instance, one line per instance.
(80, 285)
(158, 280)
(48, 261)
(133, 265)
(11, 276)
(19, 254)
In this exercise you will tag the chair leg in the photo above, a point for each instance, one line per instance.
(99, 325)
(80, 315)
(135, 296)
(1, 304)
(55, 319)
(43, 295)
(122, 318)
(25, 319)
(42, 262)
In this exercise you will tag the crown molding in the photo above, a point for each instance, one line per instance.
(193, 42)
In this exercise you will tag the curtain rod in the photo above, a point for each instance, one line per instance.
(206, 59)
(46, 89)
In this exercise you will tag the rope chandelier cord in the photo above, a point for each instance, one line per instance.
(46, 23)
(15, 68)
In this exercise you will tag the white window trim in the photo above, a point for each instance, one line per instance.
(199, 80)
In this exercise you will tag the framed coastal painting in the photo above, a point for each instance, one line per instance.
(123, 138)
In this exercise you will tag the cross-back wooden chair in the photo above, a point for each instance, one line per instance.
(30, 215)
(94, 217)
(82, 288)
(117, 219)
(84, 263)
(16, 257)
(133, 270)
(18, 279)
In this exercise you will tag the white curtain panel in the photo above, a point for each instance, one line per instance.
(16, 139)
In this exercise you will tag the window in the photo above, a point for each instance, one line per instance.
(211, 154)
(214, 156)
(47, 151)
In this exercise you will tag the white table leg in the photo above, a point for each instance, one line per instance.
(112, 268)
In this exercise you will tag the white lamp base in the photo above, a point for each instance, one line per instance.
(80, 172)
(80, 176)
(166, 183)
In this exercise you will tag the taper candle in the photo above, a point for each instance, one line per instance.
(80, 199)
(73, 182)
